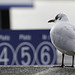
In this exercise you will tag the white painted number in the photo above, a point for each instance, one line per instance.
(45, 54)
(4, 54)
(25, 54)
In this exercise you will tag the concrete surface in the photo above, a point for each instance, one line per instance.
(36, 70)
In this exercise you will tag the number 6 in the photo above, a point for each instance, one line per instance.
(43, 54)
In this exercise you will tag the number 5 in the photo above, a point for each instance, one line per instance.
(25, 54)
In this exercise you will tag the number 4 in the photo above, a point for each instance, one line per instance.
(4, 54)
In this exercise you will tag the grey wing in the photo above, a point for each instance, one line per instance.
(67, 38)
(69, 31)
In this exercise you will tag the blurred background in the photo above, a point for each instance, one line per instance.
(36, 17)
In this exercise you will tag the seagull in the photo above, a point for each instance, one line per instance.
(62, 36)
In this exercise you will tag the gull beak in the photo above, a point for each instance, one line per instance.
(51, 21)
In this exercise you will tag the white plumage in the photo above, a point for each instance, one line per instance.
(63, 35)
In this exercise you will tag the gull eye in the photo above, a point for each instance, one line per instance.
(56, 17)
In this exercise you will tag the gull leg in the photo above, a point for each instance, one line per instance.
(62, 60)
(73, 61)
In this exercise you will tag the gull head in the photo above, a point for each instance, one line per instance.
(59, 17)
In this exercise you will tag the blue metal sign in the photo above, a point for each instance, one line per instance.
(15, 3)
(26, 47)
